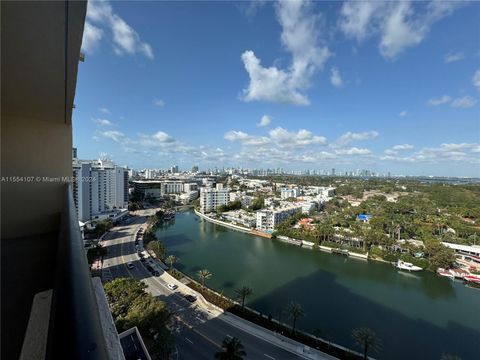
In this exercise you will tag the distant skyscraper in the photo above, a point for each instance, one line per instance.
(174, 169)
(333, 171)
(194, 169)
(74, 153)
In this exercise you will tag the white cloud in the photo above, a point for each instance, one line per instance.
(285, 138)
(449, 58)
(125, 39)
(353, 151)
(116, 136)
(390, 152)
(91, 37)
(403, 147)
(399, 25)
(439, 101)
(300, 37)
(464, 152)
(246, 139)
(464, 102)
(356, 18)
(403, 113)
(336, 78)
(158, 102)
(279, 137)
(476, 79)
(398, 32)
(103, 122)
(349, 137)
(264, 121)
(162, 137)
(104, 110)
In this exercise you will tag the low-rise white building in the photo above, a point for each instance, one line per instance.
(211, 199)
(241, 217)
(267, 220)
(286, 193)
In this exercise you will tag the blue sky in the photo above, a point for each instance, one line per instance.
(385, 86)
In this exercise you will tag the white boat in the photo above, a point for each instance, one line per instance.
(403, 265)
(445, 273)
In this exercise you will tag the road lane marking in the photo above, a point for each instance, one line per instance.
(207, 338)
(190, 341)
(268, 356)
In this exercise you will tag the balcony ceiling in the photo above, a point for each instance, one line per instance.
(34, 82)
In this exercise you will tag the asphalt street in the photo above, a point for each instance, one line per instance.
(197, 334)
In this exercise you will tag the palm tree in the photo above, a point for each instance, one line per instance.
(232, 350)
(204, 274)
(243, 293)
(171, 259)
(366, 338)
(294, 311)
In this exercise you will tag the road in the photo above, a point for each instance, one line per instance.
(198, 334)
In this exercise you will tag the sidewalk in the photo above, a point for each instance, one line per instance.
(214, 311)
(247, 326)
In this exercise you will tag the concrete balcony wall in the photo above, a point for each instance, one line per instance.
(39, 60)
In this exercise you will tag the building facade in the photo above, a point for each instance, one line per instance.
(211, 199)
(267, 220)
(99, 187)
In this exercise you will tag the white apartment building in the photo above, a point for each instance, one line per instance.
(286, 193)
(99, 186)
(267, 220)
(158, 188)
(211, 198)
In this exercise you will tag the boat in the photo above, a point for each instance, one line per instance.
(472, 279)
(459, 273)
(445, 273)
(403, 265)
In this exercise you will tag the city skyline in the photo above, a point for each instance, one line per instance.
(296, 85)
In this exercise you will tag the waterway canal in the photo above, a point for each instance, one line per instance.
(417, 316)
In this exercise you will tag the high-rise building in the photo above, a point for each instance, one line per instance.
(174, 169)
(98, 187)
(194, 169)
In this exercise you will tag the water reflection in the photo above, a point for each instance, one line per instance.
(421, 310)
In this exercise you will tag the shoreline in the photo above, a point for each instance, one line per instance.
(284, 239)
(249, 323)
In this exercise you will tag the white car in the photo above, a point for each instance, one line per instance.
(172, 286)
(130, 265)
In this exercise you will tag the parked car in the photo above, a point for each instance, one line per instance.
(149, 268)
(172, 286)
(155, 273)
(191, 298)
(130, 265)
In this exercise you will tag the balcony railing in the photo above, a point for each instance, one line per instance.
(75, 330)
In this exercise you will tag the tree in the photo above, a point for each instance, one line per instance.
(439, 255)
(132, 306)
(294, 311)
(257, 203)
(204, 275)
(121, 293)
(171, 259)
(366, 338)
(158, 248)
(243, 293)
(232, 350)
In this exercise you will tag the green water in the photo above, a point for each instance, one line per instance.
(417, 316)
